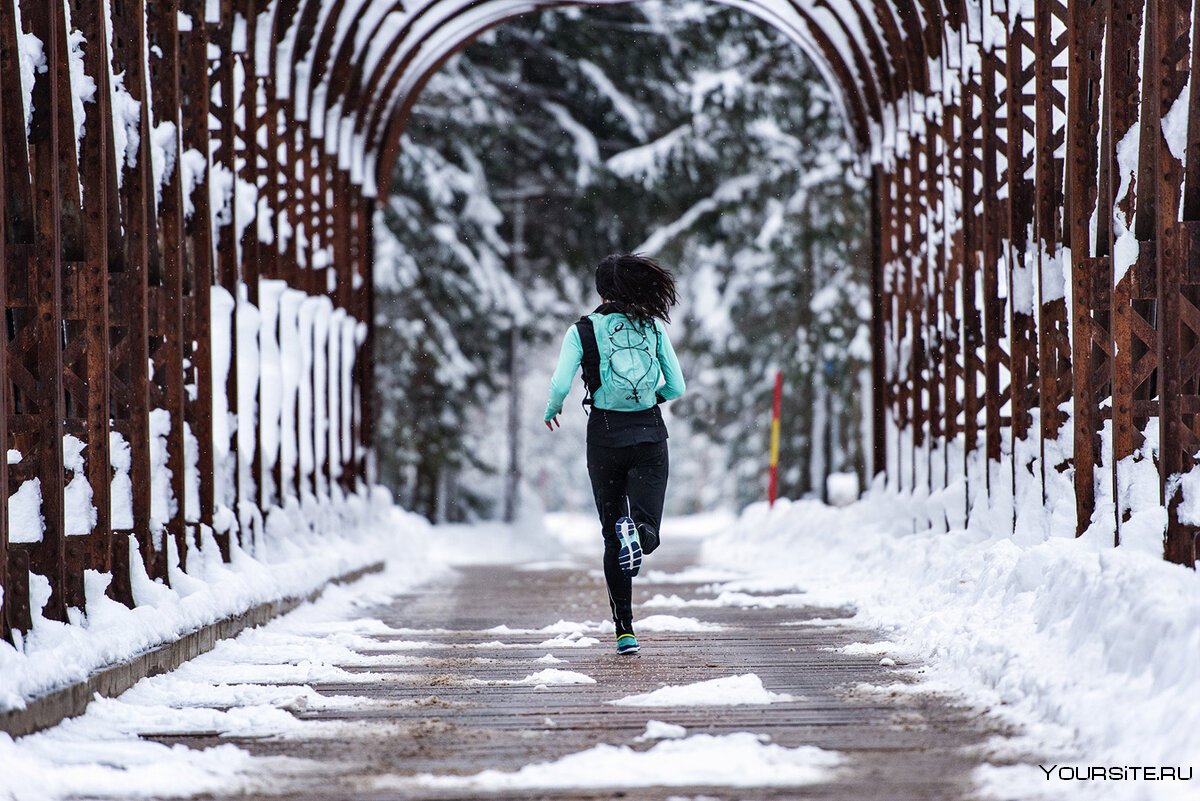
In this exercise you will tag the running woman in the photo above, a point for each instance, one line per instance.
(629, 368)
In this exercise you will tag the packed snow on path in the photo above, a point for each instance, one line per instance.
(741, 759)
(741, 690)
(1090, 651)
(728, 598)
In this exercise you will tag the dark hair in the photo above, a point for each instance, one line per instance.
(638, 284)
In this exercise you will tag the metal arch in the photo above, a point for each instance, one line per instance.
(321, 61)
(383, 139)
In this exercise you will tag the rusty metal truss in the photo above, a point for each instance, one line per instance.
(189, 188)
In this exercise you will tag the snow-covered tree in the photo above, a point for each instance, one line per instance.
(690, 131)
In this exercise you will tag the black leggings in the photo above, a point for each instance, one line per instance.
(627, 481)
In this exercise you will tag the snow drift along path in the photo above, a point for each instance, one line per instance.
(1093, 652)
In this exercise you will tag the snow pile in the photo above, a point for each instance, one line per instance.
(56, 654)
(726, 691)
(575, 639)
(1089, 649)
(673, 623)
(731, 760)
(658, 730)
(544, 678)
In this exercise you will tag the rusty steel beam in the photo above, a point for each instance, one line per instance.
(198, 254)
(89, 281)
(951, 222)
(1020, 100)
(1168, 60)
(1091, 274)
(18, 225)
(1054, 345)
(165, 290)
(39, 435)
(226, 268)
(128, 296)
(971, 143)
(7, 588)
(1133, 294)
(994, 231)
(935, 261)
(880, 301)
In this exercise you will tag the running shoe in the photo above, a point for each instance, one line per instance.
(627, 644)
(629, 558)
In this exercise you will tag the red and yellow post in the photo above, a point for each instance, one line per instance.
(773, 485)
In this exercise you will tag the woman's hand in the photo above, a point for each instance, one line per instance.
(551, 423)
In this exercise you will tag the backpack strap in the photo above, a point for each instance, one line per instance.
(591, 357)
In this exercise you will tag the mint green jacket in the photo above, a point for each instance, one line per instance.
(670, 384)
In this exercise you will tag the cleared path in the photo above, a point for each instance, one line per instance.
(440, 710)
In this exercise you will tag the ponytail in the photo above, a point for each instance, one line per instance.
(639, 285)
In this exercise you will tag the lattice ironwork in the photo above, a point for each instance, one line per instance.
(1031, 265)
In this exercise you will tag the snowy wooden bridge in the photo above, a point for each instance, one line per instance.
(189, 188)
(419, 696)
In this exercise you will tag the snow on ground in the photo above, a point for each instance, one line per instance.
(57, 654)
(741, 759)
(658, 730)
(573, 640)
(741, 690)
(530, 543)
(693, 575)
(573, 630)
(550, 676)
(728, 598)
(1091, 651)
(673, 623)
(245, 687)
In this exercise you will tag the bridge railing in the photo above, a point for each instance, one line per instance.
(187, 190)
(178, 362)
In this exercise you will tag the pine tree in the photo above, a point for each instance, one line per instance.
(691, 131)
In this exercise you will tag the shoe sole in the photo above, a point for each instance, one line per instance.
(627, 651)
(629, 558)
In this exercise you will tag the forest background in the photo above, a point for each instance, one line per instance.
(688, 131)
